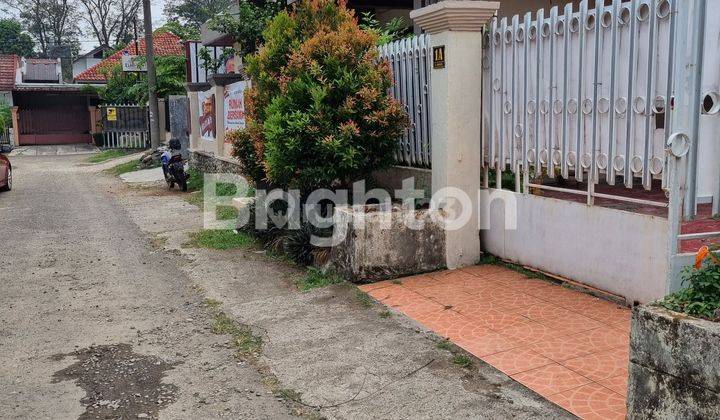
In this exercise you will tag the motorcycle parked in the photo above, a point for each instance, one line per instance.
(174, 166)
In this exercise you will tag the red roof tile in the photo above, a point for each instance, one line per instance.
(8, 66)
(164, 43)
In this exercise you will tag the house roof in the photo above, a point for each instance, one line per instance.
(8, 66)
(100, 49)
(164, 44)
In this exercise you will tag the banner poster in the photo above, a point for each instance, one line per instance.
(207, 115)
(235, 105)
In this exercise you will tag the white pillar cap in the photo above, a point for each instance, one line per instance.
(455, 15)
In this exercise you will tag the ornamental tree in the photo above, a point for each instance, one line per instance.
(318, 113)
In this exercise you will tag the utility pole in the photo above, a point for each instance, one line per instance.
(151, 77)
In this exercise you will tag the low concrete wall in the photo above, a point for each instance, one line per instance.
(208, 163)
(617, 251)
(369, 253)
(674, 366)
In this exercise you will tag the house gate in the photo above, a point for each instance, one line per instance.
(125, 126)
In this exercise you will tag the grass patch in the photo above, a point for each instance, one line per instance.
(363, 299)
(288, 394)
(222, 189)
(463, 361)
(396, 281)
(123, 168)
(211, 303)
(444, 345)
(106, 155)
(243, 339)
(315, 278)
(385, 314)
(195, 180)
(226, 213)
(220, 239)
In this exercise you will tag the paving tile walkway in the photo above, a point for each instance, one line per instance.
(570, 347)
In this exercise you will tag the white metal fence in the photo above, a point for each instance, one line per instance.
(410, 62)
(581, 93)
(586, 93)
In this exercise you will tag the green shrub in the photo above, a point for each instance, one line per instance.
(5, 116)
(701, 295)
(319, 113)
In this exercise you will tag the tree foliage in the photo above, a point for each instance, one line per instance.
(247, 25)
(184, 32)
(54, 24)
(111, 21)
(132, 88)
(13, 40)
(194, 13)
(319, 113)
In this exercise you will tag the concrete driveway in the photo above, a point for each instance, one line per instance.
(106, 313)
(55, 150)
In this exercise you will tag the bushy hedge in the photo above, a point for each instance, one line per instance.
(319, 113)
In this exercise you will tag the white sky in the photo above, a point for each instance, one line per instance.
(88, 41)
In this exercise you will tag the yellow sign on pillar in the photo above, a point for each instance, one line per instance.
(112, 114)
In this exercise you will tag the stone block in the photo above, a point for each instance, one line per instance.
(674, 365)
(374, 249)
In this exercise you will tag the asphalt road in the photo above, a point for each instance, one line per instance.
(96, 321)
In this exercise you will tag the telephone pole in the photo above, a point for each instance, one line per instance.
(151, 77)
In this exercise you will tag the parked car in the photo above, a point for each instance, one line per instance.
(5, 168)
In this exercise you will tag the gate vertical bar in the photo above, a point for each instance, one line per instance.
(698, 37)
(526, 79)
(565, 170)
(492, 111)
(579, 135)
(647, 176)
(551, 96)
(610, 174)
(538, 66)
(593, 170)
(503, 101)
(630, 118)
(514, 107)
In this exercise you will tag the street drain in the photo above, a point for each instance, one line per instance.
(118, 383)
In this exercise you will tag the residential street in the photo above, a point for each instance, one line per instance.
(108, 314)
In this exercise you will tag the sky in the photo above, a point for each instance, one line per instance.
(88, 41)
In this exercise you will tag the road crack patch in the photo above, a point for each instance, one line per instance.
(118, 383)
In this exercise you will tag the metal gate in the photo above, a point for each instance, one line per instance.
(409, 60)
(125, 126)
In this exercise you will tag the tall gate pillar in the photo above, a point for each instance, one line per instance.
(455, 29)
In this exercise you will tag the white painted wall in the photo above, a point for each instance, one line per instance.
(616, 251)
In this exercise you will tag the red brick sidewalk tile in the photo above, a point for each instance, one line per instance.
(550, 379)
(572, 346)
(516, 360)
(566, 345)
(417, 282)
(592, 402)
(602, 365)
(480, 341)
(618, 384)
